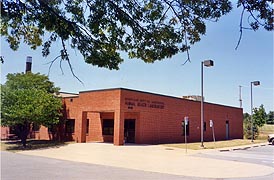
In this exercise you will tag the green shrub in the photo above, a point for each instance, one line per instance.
(248, 132)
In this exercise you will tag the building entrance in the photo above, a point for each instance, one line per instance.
(129, 130)
(227, 130)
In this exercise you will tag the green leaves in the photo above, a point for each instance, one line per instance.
(30, 105)
(259, 116)
(28, 98)
(30, 81)
(150, 30)
(270, 117)
(260, 13)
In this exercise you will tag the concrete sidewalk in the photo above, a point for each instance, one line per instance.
(154, 158)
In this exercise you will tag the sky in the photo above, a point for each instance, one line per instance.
(252, 61)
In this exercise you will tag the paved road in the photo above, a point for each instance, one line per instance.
(24, 167)
(262, 155)
(153, 158)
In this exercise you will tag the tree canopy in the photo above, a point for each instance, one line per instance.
(100, 29)
(28, 99)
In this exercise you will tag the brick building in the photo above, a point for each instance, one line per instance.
(128, 116)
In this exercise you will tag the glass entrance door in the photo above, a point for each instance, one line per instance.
(129, 130)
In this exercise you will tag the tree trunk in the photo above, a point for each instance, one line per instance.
(24, 141)
(23, 132)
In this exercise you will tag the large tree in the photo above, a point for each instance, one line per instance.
(147, 29)
(29, 99)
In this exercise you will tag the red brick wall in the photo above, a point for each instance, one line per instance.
(162, 123)
(5, 132)
(43, 134)
(98, 105)
(158, 118)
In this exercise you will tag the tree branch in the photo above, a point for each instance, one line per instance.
(51, 63)
(66, 57)
(184, 30)
(187, 50)
(241, 29)
(128, 16)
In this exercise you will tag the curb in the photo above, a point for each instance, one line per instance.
(243, 148)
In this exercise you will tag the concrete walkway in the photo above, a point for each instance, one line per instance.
(154, 158)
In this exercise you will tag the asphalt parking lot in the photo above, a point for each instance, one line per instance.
(262, 155)
(24, 167)
(154, 158)
(105, 161)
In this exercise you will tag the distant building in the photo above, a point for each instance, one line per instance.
(65, 94)
(193, 97)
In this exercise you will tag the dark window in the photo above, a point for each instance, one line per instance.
(185, 128)
(70, 123)
(12, 130)
(108, 126)
(87, 130)
(51, 128)
(204, 126)
(35, 127)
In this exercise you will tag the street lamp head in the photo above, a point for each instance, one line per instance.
(256, 83)
(208, 63)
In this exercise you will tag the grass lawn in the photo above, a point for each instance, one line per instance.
(217, 144)
(264, 131)
(267, 129)
(16, 145)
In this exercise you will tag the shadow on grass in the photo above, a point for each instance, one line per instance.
(16, 145)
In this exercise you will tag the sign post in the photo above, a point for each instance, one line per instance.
(186, 123)
(211, 124)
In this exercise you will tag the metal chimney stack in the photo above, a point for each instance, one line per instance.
(28, 64)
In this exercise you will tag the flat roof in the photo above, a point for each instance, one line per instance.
(156, 94)
(66, 94)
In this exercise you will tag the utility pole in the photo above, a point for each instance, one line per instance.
(240, 96)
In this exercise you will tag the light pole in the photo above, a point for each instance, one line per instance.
(207, 63)
(255, 83)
